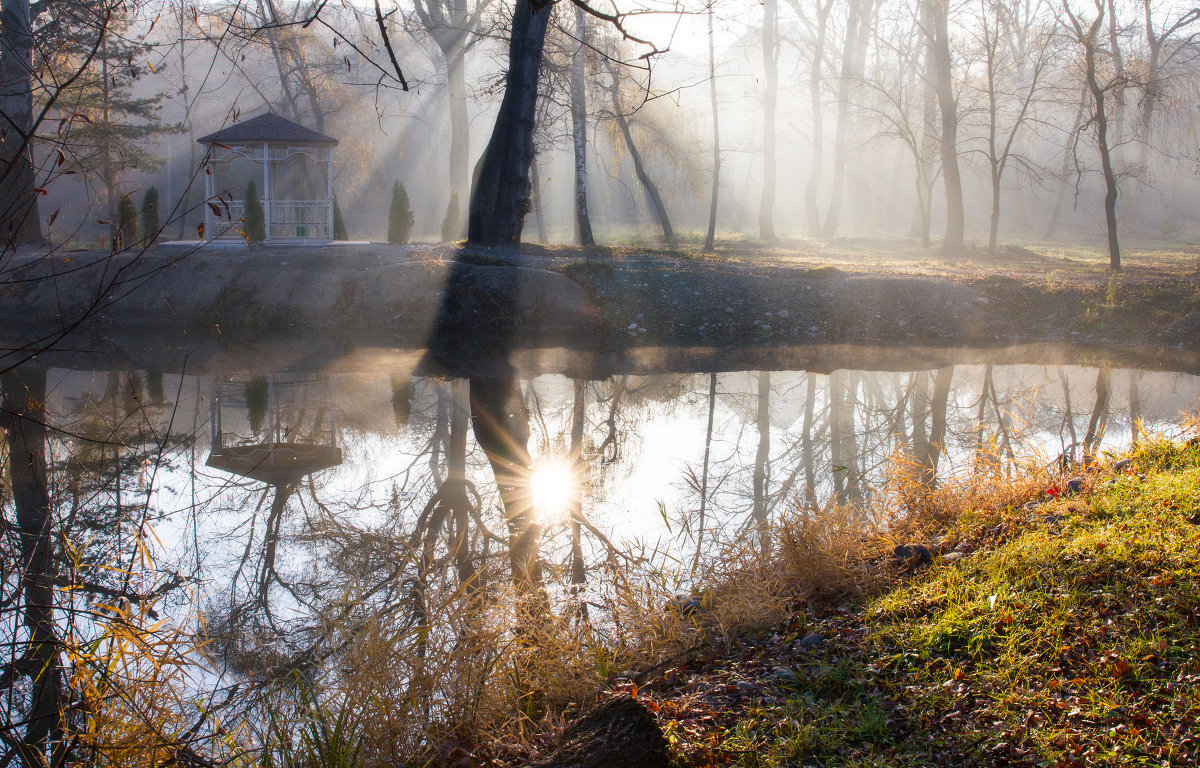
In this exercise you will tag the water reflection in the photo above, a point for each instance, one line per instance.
(305, 512)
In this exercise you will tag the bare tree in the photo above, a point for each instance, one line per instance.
(1012, 77)
(938, 15)
(1101, 79)
(770, 55)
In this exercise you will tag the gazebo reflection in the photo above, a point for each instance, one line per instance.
(276, 429)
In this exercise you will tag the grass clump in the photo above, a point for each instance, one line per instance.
(1063, 635)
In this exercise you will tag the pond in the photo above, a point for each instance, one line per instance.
(377, 524)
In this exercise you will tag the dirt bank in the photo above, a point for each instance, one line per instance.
(398, 295)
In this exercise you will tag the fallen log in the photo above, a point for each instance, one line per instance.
(620, 733)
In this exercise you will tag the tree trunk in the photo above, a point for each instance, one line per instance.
(948, 106)
(660, 208)
(500, 422)
(24, 403)
(1100, 119)
(1068, 156)
(762, 465)
(770, 54)
(460, 128)
(539, 212)
(18, 200)
(578, 478)
(816, 167)
(1099, 417)
(583, 225)
(840, 149)
(620, 733)
(710, 236)
(708, 433)
(500, 197)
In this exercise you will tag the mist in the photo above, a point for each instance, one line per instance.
(831, 116)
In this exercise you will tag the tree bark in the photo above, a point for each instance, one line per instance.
(500, 422)
(18, 200)
(817, 151)
(648, 185)
(762, 463)
(24, 405)
(583, 224)
(770, 54)
(710, 236)
(460, 128)
(948, 107)
(500, 197)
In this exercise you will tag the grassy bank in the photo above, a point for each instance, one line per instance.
(1062, 635)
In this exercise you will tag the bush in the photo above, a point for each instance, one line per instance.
(339, 224)
(400, 217)
(127, 221)
(452, 224)
(150, 214)
(254, 218)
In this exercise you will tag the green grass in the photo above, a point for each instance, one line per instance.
(1061, 642)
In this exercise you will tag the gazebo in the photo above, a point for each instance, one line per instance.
(284, 159)
(276, 429)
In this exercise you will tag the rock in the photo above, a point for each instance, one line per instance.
(620, 732)
(813, 329)
(912, 555)
(784, 676)
(1122, 465)
(1074, 486)
(685, 605)
(952, 557)
(812, 641)
(784, 314)
(1030, 506)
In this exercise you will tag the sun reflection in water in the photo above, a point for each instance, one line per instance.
(552, 486)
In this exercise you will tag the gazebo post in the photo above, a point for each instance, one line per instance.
(329, 192)
(210, 171)
(267, 187)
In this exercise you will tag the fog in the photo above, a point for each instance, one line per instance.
(855, 88)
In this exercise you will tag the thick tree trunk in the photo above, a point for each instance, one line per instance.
(710, 236)
(500, 197)
(948, 106)
(19, 224)
(583, 224)
(620, 733)
(500, 422)
(770, 54)
(460, 128)
(24, 405)
(652, 194)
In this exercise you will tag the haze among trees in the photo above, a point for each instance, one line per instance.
(967, 124)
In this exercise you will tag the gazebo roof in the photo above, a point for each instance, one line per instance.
(267, 127)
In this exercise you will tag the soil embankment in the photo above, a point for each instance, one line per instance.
(398, 295)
